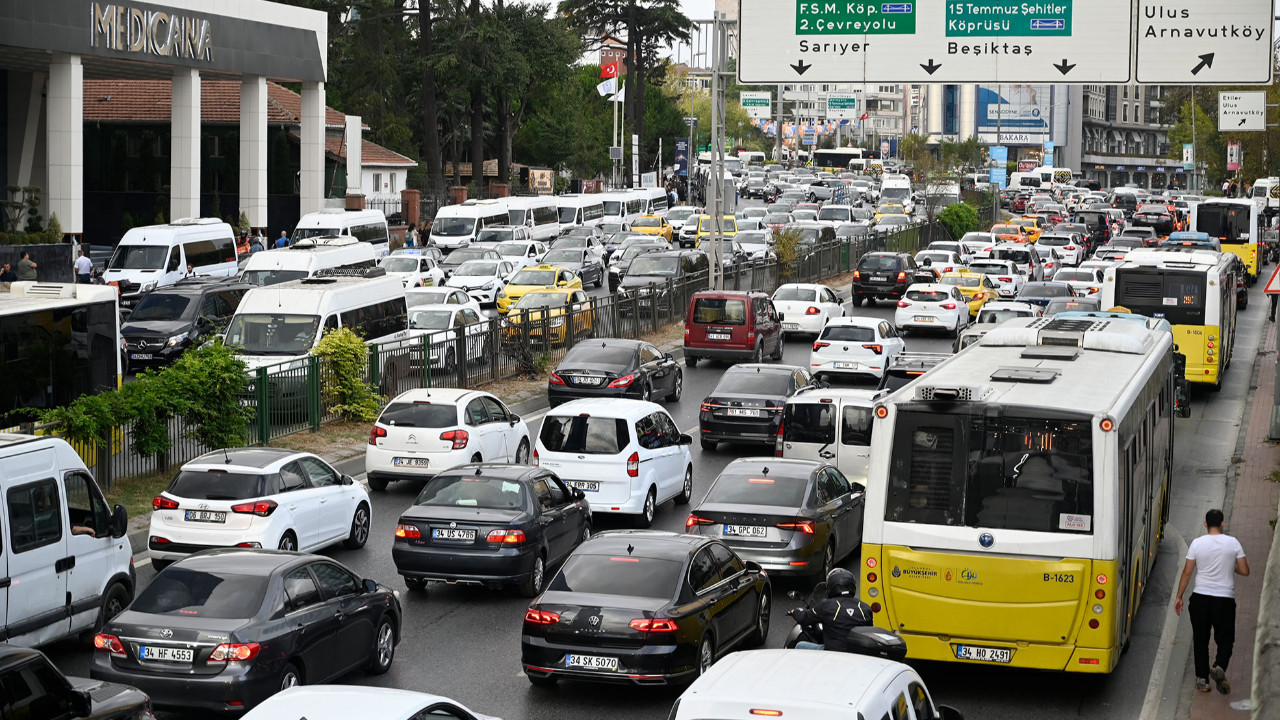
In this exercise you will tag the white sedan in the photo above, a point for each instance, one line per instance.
(944, 261)
(341, 702)
(481, 279)
(521, 253)
(415, 297)
(932, 306)
(1084, 281)
(424, 431)
(1069, 246)
(1002, 273)
(257, 497)
(441, 323)
(855, 346)
(806, 308)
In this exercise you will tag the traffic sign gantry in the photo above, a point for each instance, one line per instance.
(935, 41)
(1204, 42)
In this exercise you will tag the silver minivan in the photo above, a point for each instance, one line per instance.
(830, 425)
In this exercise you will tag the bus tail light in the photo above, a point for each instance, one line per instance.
(872, 577)
(1107, 425)
(1093, 623)
(1088, 661)
(1100, 593)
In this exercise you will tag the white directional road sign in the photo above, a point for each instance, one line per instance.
(842, 106)
(1204, 42)
(935, 41)
(757, 104)
(1242, 111)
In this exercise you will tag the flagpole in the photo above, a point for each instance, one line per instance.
(622, 164)
(614, 138)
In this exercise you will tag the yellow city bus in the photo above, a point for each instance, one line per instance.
(1234, 222)
(1194, 291)
(837, 160)
(1017, 493)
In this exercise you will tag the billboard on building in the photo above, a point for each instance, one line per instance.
(1014, 114)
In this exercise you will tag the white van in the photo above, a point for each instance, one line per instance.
(1025, 181)
(830, 425)
(580, 210)
(364, 225)
(537, 214)
(67, 567)
(656, 201)
(304, 258)
(623, 205)
(456, 226)
(897, 189)
(751, 158)
(157, 256)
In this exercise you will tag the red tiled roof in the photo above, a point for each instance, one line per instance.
(370, 153)
(150, 101)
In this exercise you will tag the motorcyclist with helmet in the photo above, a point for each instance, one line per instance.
(839, 613)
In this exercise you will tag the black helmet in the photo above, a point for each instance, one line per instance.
(841, 582)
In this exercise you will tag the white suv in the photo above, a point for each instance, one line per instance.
(855, 346)
(628, 456)
(257, 497)
(422, 432)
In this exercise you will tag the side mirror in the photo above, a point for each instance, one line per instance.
(578, 494)
(348, 480)
(686, 440)
(119, 521)
(670, 357)
(370, 586)
(753, 567)
(946, 712)
(79, 703)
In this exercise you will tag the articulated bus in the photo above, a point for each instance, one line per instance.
(1194, 291)
(1235, 222)
(58, 341)
(1017, 494)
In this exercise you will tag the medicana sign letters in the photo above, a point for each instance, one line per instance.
(151, 32)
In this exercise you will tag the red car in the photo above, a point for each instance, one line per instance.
(728, 325)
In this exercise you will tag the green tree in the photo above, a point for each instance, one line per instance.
(1205, 137)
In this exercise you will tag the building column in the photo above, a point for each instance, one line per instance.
(65, 138)
(935, 123)
(184, 158)
(253, 151)
(311, 165)
(968, 112)
(353, 140)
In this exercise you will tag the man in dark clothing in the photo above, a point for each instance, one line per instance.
(839, 614)
(7, 275)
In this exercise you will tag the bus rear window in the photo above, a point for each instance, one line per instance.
(1228, 223)
(1176, 297)
(1001, 472)
(809, 423)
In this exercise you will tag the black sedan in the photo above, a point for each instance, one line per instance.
(746, 405)
(461, 255)
(490, 524)
(790, 516)
(615, 368)
(210, 631)
(582, 263)
(646, 608)
(1040, 293)
(620, 262)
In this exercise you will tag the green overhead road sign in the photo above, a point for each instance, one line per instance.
(855, 18)
(1009, 18)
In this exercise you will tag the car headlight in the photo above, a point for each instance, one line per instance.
(176, 339)
(557, 321)
(487, 286)
(148, 287)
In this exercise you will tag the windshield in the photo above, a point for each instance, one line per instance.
(191, 593)
(430, 319)
(746, 489)
(655, 266)
(495, 235)
(204, 485)
(138, 257)
(777, 219)
(635, 250)
(477, 267)
(534, 277)
(962, 281)
(751, 382)
(646, 222)
(457, 257)
(511, 249)
(266, 334)
(420, 414)
(680, 214)
(161, 306)
(563, 256)
(613, 228)
(542, 300)
(568, 215)
(991, 471)
(1045, 290)
(804, 216)
(262, 278)
(998, 316)
(754, 237)
(894, 193)
(419, 298)
(471, 492)
(1054, 241)
(629, 576)
(400, 264)
(453, 226)
(879, 262)
(1074, 276)
(584, 435)
(989, 268)
(795, 293)
(893, 220)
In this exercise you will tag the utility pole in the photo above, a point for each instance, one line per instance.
(777, 136)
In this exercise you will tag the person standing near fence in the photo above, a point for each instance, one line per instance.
(1215, 558)
(84, 268)
(411, 235)
(27, 268)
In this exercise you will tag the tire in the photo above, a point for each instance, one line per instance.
(828, 562)
(706, 655)
(290, 677)
(677, 388)
(586, 534)
(777, 354)
(599, 279)
(522, 453)
(288, 541)
(114, 601)
(378, 484)
(645, 519)
(686, 492)
(159, 565)
(690, 360)
(359, 528)
(763, 611)
(759, 356)
(710, 445)
(537, 578)
(646, 392)
(384, 648)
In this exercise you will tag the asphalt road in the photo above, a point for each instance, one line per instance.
(464, 642)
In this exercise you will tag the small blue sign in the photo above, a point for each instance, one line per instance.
(1048, 24)
(810, 137)
(999, 155)
(999, 177)
(895, 8)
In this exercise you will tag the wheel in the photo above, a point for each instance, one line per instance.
(759, 355)
(159, 565)
(760, 632)
(378, 484)
(600, 279)
(288, 541)
(533, 584)
(114, 601)
(522, 452)
(359, 529)
(645, 518)
(706, 655)
(857, 301)
(586, 534)
(828, 562)
(676, 388)
(686, 493)
(549, 681)
(290, 677)
(690, 360)
(777, 353)
(709, 445)
(384, 649)
(646, 392)
(415, 584)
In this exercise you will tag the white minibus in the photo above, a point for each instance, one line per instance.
(364, 225)
(456, 226)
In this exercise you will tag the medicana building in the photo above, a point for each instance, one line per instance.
(49, 48)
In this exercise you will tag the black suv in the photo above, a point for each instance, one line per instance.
(648, 274)
(882, 276)
(167, 321)
(36, 686)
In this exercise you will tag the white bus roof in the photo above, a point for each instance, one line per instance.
(26, 296)
(578, 200)
(1157, 257)
(338, 218)
(312, 296)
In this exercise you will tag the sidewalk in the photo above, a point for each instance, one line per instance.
(1252, 508)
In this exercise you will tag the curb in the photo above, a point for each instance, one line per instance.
(1266, 646)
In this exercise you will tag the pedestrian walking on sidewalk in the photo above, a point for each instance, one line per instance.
(1215, 558)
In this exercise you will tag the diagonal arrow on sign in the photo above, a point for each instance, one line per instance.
(1206, 60)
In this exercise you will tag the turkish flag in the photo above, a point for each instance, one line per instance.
(609, 71)
(865, 116)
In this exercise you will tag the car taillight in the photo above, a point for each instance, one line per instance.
(903, 303)
(261, 508)
(653, 625)
(857, 275)
(506, 537)
(902, 277)
(376, 433)
(949, 305)
(777, 440)
(633, 465)
(161, 502)
(1005, 279)
(877, 349)
(457, 437)
(819, 345)
(541, 617)
(979, 296)
(234, 652)
(555, 379)
(623, 381)
(408, 532)
(1093, 290)
(804, 526)
(1069, 247)
(697, 520)
(108, 643)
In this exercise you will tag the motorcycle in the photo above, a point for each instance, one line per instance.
(872, 641)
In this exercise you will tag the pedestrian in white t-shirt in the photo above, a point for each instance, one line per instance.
(84, 268)
(1215, 558)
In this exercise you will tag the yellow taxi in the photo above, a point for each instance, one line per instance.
(1034, 225)
(652, 225)
(560, 313)
(1010, 232)
(976, 288)
(537, 277)
(889, 209)
(728, 228)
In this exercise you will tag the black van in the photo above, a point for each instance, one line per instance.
(1128, 202)
(1098, 225)
(167, 321)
